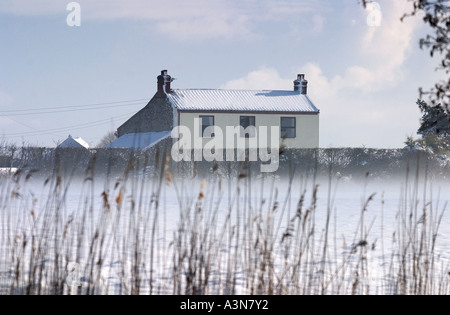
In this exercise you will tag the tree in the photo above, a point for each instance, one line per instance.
(435, 120)
(437, 16)
(411, 143)
(434, 129)
(107, 139)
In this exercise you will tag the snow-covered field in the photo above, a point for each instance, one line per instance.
(7, 170)
(218, 236)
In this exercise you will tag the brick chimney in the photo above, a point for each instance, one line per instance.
(301, 85)
(164, 82)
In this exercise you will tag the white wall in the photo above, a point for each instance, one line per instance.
(307, 126)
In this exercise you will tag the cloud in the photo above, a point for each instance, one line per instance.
(263, 79)
(181, 20)
(194, 19)
(206, 27)
(318, 23)
(351, 113)
(382, 51)
(386, 47)
(34, 8)
(349, 116)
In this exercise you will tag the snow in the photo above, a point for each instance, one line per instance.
(7, 170)
(139, 140)
(71, 142)
(241, 101)
(380, 215)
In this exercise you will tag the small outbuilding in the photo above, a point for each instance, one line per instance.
(73, 143)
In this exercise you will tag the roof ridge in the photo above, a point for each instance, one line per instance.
(210, 89)
(241, 100)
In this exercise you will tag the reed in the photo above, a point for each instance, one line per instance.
(159, 233)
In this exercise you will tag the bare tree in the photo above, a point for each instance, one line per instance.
(107, 139)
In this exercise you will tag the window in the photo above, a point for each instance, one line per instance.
(207, 121)
(246, 122)
(288, 127)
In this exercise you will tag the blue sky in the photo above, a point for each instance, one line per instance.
(363, 78)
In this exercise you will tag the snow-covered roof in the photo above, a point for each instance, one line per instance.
(139, 140)
(241, 101)
(74, 143)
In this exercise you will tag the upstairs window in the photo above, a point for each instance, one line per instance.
(207, 121)
(288, 127)
(246, 122)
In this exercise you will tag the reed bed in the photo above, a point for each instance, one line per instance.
(162, 234)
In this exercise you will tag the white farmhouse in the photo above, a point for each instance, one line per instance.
(289, 115)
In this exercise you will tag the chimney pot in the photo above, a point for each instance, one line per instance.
(298, 82)
(304, 87)
(164, 81)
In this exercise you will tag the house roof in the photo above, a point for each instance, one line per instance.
(74, 143)
(142, 140)
(241, 101)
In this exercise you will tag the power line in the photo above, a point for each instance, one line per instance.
(68, 128)
(44, 112)
(65, 109)
(25, 125)
(134, 102)
(65, 129)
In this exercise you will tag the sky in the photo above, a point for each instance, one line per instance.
(364, 67)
